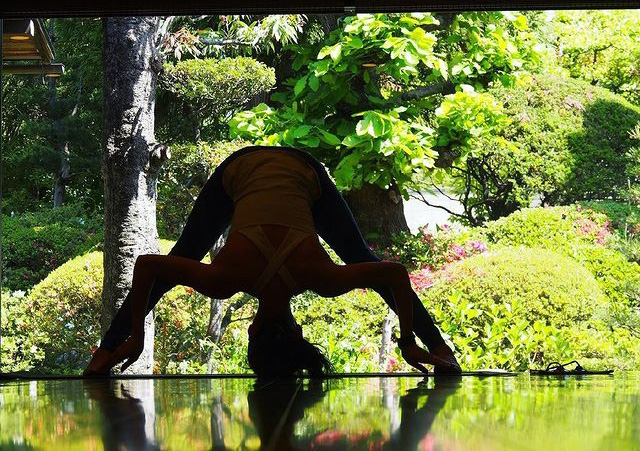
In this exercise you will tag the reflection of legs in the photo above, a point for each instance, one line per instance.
(336, 225)
(208, 219)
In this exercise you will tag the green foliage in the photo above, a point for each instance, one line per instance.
(546, 285)
(43, 116)
(348, 328)
(350, 100)
(569, 142)
(36, 243)
(601, 47)
(210, 90)
(182, 178)
(231, 36)
(57, 325)
(64, 314)
(20, 347)
(579, 233)
(498, 336)
(506, 308)
(222, 84)
(426, 250)
(623, 216)
(556, 228)
(618, 278)
(181, 320)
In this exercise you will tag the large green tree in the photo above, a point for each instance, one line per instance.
(569, 141)
(131, 160)
(386, 97)
(602, 47)
(52, 126)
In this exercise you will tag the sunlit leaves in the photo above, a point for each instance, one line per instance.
(217, 86)
(386, 141)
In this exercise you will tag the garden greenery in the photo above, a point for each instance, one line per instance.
(500, 110)
(351, 101)
(542, 284)
(568, 141)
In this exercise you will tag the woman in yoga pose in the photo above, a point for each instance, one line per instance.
(277, 201)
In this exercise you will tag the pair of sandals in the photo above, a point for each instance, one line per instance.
(560, 369)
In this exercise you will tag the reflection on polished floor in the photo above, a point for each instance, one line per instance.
(441, 413)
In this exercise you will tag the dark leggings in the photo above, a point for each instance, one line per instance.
(211, 215)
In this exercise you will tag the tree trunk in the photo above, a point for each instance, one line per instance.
(61, 145)
(64, 175)
(385, 342)
(379, 212)
(130, 161)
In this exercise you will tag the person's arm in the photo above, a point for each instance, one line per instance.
(131, 349)
(411, 352)
(210, 280)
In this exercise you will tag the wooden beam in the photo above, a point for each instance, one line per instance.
(52, 70)
(97, 8)
(42, 42)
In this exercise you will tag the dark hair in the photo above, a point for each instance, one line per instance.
(277, 351)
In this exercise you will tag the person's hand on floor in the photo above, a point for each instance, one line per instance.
(99, 364)
(416, 356)
(129, 350)
(444, 352)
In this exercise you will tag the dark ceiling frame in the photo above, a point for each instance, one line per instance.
(97, 8)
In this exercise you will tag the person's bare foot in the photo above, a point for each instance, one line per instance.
(444, 352)
(99, 364)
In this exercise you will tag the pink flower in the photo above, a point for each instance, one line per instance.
(421, 280)
(477, 246)
(427, 238)
(459, 250)
(391, 364)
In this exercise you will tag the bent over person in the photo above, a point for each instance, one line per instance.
(276, 200)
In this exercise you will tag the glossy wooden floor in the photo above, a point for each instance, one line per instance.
(446, 413)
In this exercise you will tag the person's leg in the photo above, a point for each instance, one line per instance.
(208, 219)
(337, 227)
(329, 280)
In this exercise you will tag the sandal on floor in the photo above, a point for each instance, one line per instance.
(559, 369)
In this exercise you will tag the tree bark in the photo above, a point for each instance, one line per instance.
(379, 212)
(61, 145)
(130, 161)
(385, 342)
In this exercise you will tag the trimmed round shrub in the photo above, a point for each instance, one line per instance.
(198, 96)
(217, 86)
(33, 244)
(512, 308)
(63, 313)
(577, 232)
(557, 228)
(539, 285)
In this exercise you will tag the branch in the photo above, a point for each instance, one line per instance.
(443, 193)
(163, 29)
(240, 319)
(424, 200)
(445, 87)
(464, 171)
(223, 42)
